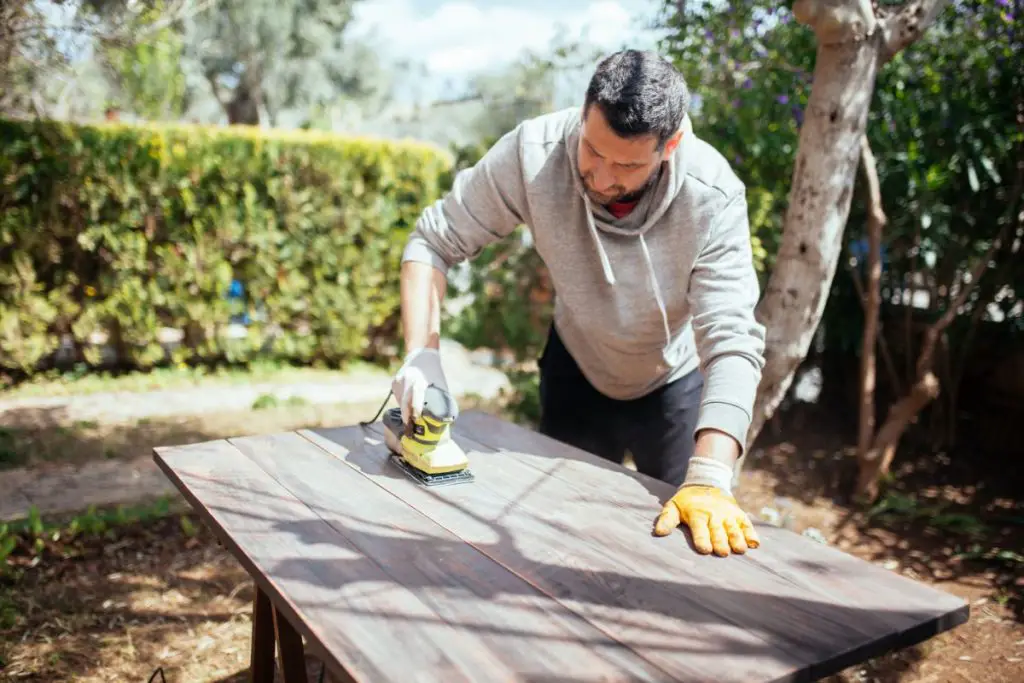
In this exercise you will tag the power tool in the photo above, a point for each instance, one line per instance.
(424, 449)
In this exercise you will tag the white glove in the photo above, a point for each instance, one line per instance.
(422, 367)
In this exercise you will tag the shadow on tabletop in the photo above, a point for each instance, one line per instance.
(785, 628)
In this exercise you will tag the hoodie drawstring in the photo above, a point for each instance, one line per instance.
(609, 275)
(657, 289)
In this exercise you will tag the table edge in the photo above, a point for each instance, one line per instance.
(261, 581)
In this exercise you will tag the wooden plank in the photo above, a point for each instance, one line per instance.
(788, 556)
(689, 614)
(878, 609)
(681, 636)
(528, 634)
(344, 602)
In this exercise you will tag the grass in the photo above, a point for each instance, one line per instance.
(41, 438)
(82, 382)
(24, 543)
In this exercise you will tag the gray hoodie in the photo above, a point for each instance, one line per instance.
(639, 301)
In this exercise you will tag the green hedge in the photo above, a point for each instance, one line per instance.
(120, 231)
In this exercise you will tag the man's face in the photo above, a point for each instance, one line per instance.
(612, 167)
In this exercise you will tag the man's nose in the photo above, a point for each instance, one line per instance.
(603, 180)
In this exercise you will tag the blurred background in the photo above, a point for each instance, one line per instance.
(203, 205)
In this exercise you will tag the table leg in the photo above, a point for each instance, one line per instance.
(293, 657)
(261, 657)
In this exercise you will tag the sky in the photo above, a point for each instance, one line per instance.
(455, 38)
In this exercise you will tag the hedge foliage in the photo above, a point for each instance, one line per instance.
(118, 231)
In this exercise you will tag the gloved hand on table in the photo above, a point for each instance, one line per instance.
(421, 368)
(705, 504)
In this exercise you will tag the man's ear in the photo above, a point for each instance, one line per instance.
(672, 143)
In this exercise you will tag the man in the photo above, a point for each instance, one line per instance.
(643, 227)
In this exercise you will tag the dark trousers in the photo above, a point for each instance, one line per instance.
(657, 429)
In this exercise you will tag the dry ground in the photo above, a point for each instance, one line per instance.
(163, 593)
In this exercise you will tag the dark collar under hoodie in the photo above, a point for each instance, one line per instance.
(640, 300)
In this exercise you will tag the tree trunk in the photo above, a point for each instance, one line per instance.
(854, 39)
(819, 202)
(872, 301)
(875, 462)
(242, 109)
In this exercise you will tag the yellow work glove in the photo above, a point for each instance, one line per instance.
(715, 519)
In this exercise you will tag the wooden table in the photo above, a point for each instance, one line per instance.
(543, 569)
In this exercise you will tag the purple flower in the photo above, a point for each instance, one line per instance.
(782, 99)
(798, 115)
(709, 34)
(748, 84)
(735, 104)
(737, 160)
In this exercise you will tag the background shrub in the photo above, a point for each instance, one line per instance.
(120, 233)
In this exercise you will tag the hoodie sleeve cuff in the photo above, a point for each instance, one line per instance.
(724, 417)
(417, 249)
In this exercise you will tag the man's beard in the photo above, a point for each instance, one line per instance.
(626, 197)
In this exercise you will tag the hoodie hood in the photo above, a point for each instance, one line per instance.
(648, 211)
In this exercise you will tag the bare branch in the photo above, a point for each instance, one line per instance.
(907, 24)
(211, 78)
(924, 361)
(872, 297)
(883, 344)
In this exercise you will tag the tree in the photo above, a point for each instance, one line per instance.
(147, 75)
(39, 48)
(263, 57)
(955, 181)
(854, 39)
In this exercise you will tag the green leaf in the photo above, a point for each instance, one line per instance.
(991, 168)
(972, 177)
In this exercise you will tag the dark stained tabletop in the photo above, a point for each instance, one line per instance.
(545, 568)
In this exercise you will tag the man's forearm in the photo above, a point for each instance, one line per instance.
(718, 446)
(423, 289)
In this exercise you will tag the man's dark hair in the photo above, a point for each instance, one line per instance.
(640, 93)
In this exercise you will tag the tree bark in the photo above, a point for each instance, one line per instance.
(852, 43)
(872, 300)
(819, 200)
(244, 106)
(876, 461)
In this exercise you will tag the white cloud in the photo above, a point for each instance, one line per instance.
(457, 37)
